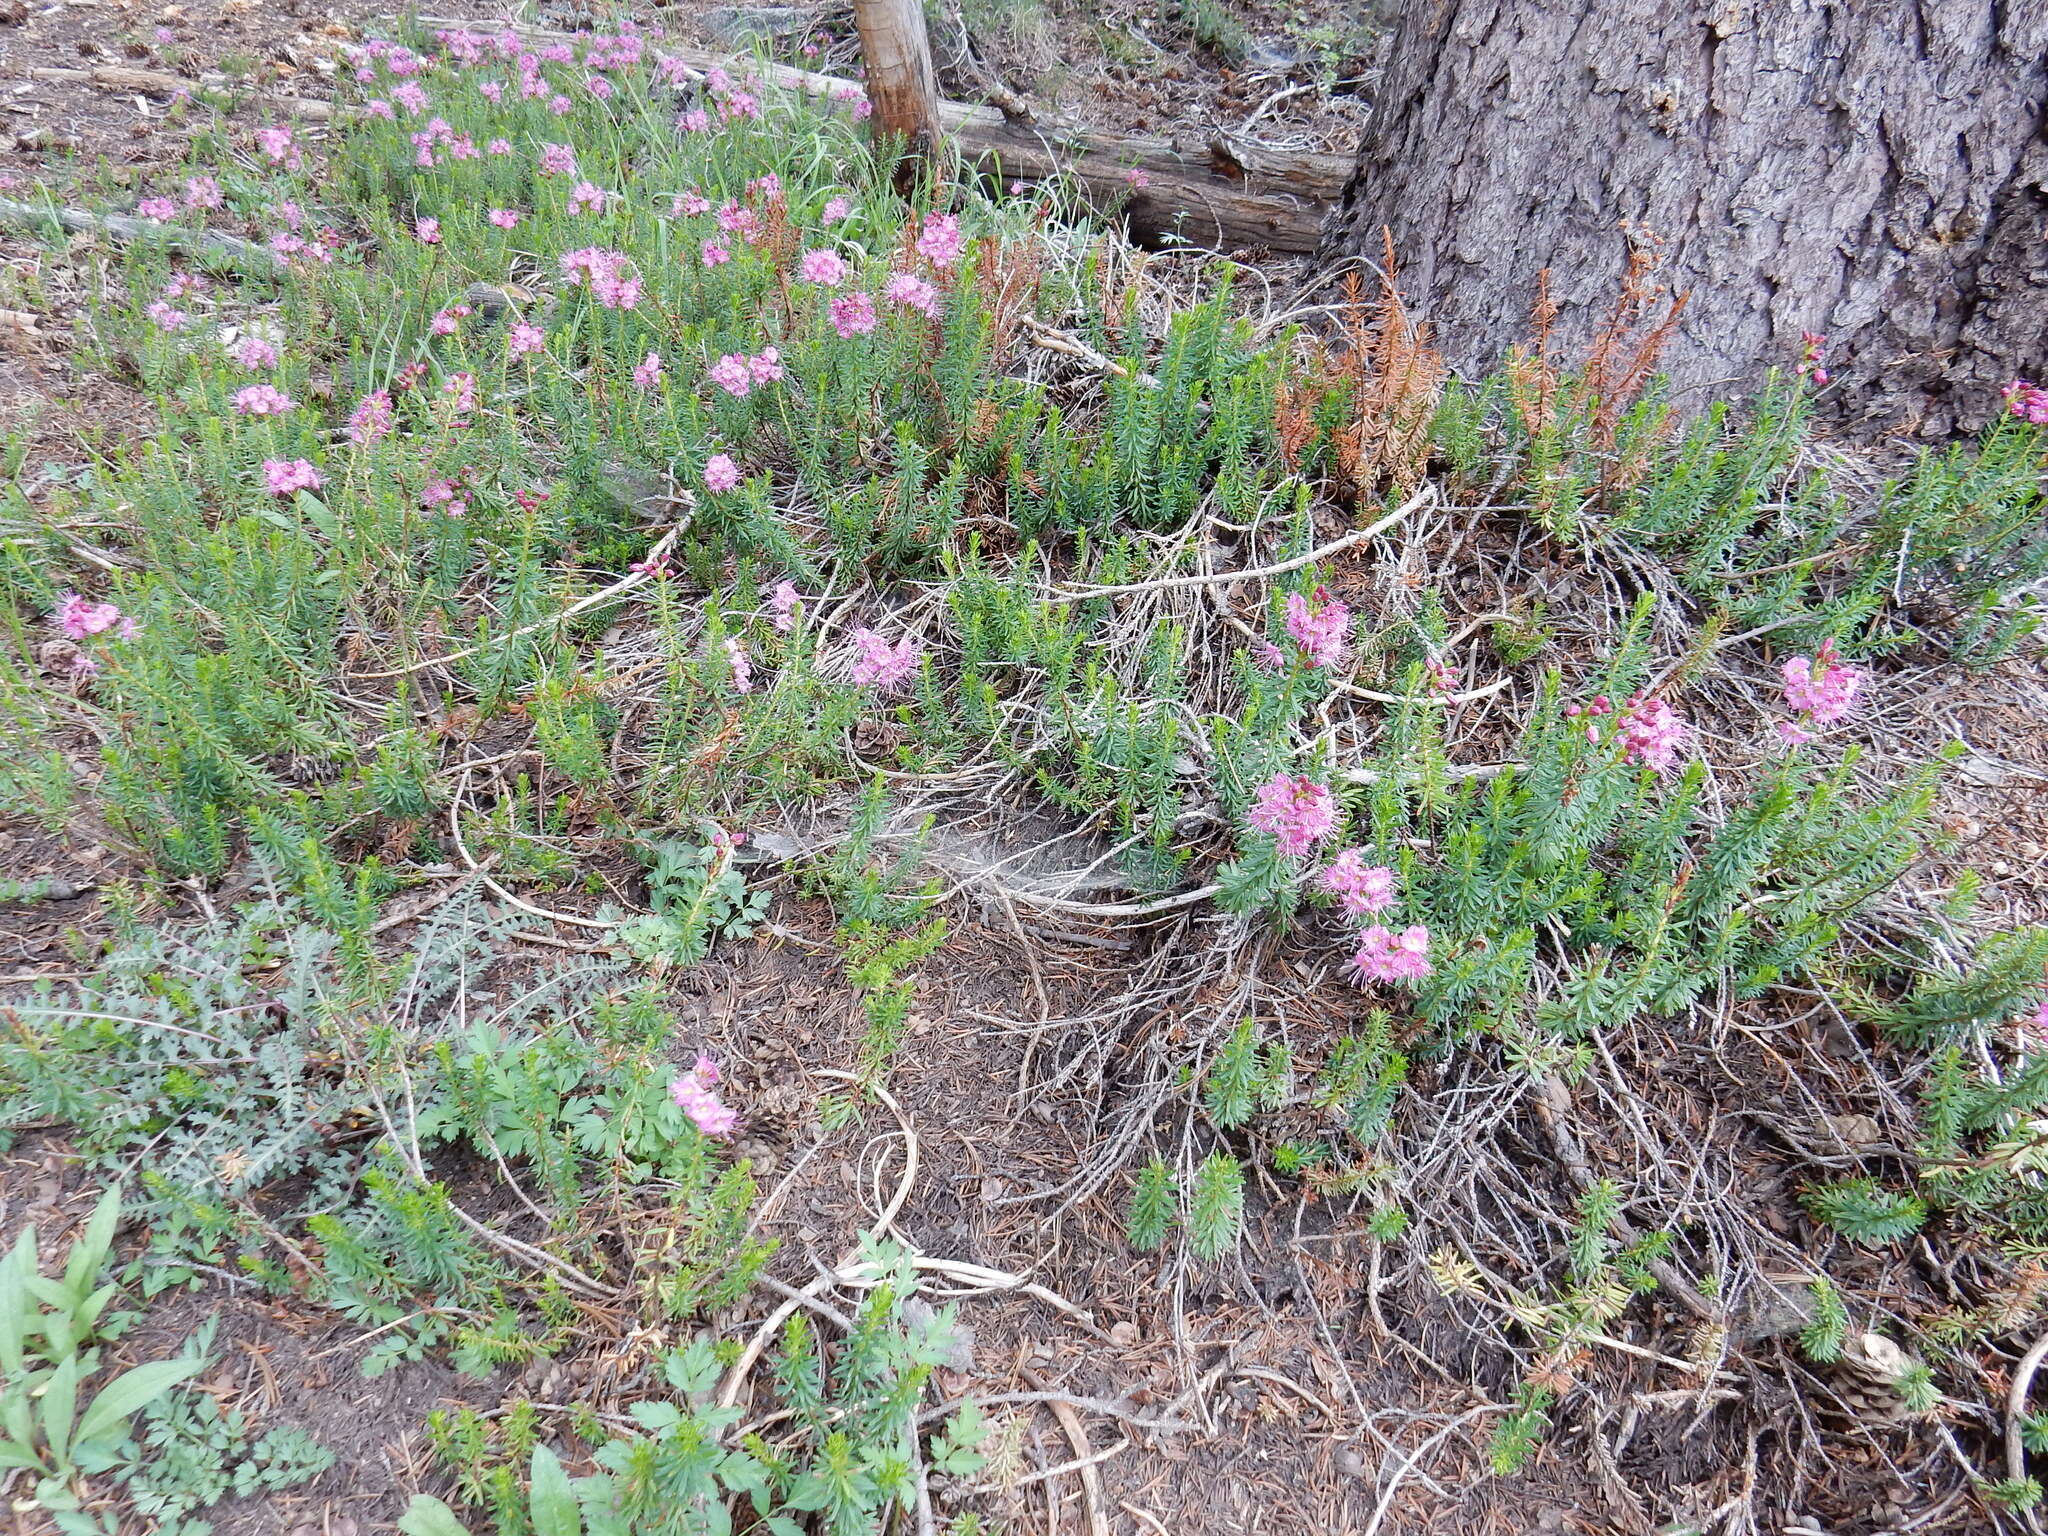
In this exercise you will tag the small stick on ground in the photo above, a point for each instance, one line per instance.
(1085, 1458)
(2016, 1408)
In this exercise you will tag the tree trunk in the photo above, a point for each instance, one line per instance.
(1873, 170)
(901, 82)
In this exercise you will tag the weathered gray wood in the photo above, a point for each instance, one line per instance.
(900, 79)
(1208, 190)
(119, 226)
(1874, 170)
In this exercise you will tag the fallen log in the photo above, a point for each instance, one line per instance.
(1216, 192)
(1212, 191)
(1209, 193)
(119, 226)
(153, 82)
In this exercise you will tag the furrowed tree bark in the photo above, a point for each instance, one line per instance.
(900, 79)
(1873, 170)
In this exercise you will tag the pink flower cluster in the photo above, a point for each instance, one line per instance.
(438, 134)
(740, 375)
(1361, 889)
(696, 1091)
(587, 197)
(853, 314)
(2029, 402)
(262, 400)
(1384, 955)
(372, 419)
(79, 617)
(913, 293)
(1820, 689)
(880, 664)
(648, 371)
(253, 352)
(1650, 731)
(940, 241)
(720, 473)
(612, 279)
(288, 247)
(445, 496)
(1296, 811)
(277, 147)
(742, 222)
(1810, 366)
(825, 268)
(783, 604)
(1322, 632)
(458, 394)
(741, 664)
(282, 477)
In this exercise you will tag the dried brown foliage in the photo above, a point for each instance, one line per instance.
(1008, 275)
(1621, 360)
(1531, 370)
(1392, 379)
(779, 239)
(1294, 420)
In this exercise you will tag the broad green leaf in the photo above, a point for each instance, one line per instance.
(14, 1310)
(426, 1516)
(554, 1501)
(89, 1312)
(53, 1494)
(95, 1457)
(82, 1266)
(14, 1454)
(692, 1371)
(597, 1508)
(51, 1293)
(59, 1406)
(21, 1258)
(131, 1390)
(657, 1417)
(17, 1411)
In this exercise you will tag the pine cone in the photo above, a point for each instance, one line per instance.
(1866, 1380)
